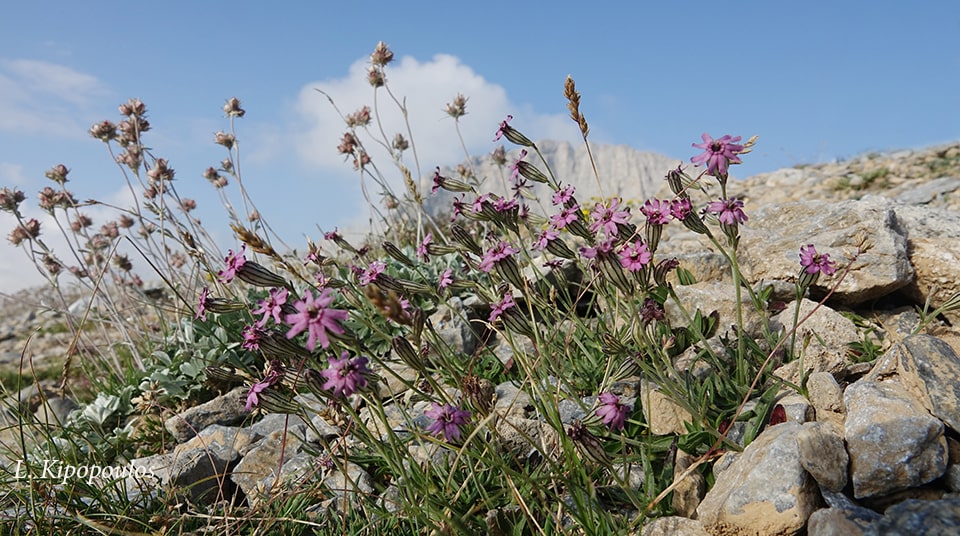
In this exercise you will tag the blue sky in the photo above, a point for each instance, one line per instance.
(816, 80)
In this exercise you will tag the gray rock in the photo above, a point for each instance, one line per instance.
(823, 454)
(929, 370)
(663, 415)
(934, 250)
(349, 483)
(227, 409)
(914, 516)
(928, 191)
(826, 397)
(854, 521)
(892, 440)
(273, 461)
(765, 491)
(452, 323)
(771, 243)
(512, 401)
(825, 333)
(674, 526)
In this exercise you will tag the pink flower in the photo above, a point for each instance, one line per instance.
(234, 262)
(730, 210)
(314, 317)
(494, 255)
(504, 126)
(560, 197)
(813, 262)
(566, 216)
(515, 169)
(446, 278)
(601, 250)
(372, 272)
(202, 304)
(251, 338)
(607, 217)
(544, 238)
(635, 256)
(273, 377)
(498, 309)
(422, 252)
(345, 376)
(447, 420)
(612, 411)
(657, 211)
(478, 203)
(680, 208)
(718, 154)
(271, 306)
(504, 204)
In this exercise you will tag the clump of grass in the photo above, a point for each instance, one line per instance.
(576, 292)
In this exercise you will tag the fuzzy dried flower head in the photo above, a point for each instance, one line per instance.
(375, 77)
(499, 156)
(81, 221)
(161, 171)
(10, 199)
(225, 139)
(133, 107)
(125, 221)
(232, 108)
(400, 143)
(57, 173)
(360, 118)
(104, 131)
(457, 108)
(381, 55)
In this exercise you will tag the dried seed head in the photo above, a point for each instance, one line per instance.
(10, 199)
(375, 77)
(232, 108)
(573, 104)
(457, 108)
(400, 143)
(58, 174)
(160, 171)
(382, 55)
(104, 131)
(133, 108)
(360, 118)
(225, 139)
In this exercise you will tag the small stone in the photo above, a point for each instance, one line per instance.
(227, 409)
(823, 454)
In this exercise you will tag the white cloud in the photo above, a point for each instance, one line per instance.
(425, 88)
(12, 174)
(38, 97)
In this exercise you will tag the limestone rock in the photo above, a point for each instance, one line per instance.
(929, 370)
(892, 440)
(823, 454)
(263, 466)
(855, 521)
(766, 491)
(826, 397)
(674, 526)
(664, 416)
(914, 516)
(227, 409)
(826, 334)
(771, 243)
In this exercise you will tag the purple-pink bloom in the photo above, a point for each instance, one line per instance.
(446, 278)
(607, 217)
(544, 238)
(332, 235)
(234, 262)
(657, 211)
(437, 181)
(251, 338)
(504, 204)
(601, 250)
(635, 256)
(372, 273)
(498, 309)
(813, 262)
(458, 205)
(422, 252)
(718, 154)
(494, 255)
(447, 420)
(345, 376)
(561, 196)
(515, 169)
(272, 306)
(503, 126)
(566, 216)
(730, 210)
(202, 304)
(273, 377)
(680, 208)
(314, 317)
(612, 411)
(478, 203)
